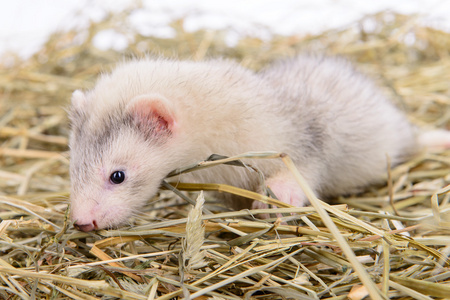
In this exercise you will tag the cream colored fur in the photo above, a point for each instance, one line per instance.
(333, 121)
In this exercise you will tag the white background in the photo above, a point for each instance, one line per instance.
(26, 24)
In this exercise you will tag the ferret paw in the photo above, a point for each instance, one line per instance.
(435, 140)
(286, 189)
(288, 192)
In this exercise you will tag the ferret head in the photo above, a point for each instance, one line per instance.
(117, 146)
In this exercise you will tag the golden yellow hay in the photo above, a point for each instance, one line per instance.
(392, 241)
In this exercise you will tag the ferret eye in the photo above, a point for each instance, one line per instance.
(117, 177)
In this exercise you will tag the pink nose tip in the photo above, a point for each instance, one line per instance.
(86, 227)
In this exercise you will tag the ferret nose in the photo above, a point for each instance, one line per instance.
(85, 227)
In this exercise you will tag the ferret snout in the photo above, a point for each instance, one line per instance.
(86, 227)
(84, 220)
(89, 217)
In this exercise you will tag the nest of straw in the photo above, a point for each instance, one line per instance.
(392, 241)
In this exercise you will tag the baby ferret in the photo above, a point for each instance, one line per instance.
(151, 116)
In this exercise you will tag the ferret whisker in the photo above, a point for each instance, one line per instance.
(138, 218)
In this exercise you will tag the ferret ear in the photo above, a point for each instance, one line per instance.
(153, 114)
(78, 99)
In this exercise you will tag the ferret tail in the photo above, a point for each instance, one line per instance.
(435, 140)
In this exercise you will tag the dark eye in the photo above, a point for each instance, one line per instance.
(117, 177)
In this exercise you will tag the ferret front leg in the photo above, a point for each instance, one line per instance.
(286, 189)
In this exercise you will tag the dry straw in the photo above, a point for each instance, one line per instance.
(391, 241)
(194, 239)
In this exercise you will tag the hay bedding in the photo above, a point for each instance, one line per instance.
(393, 238)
